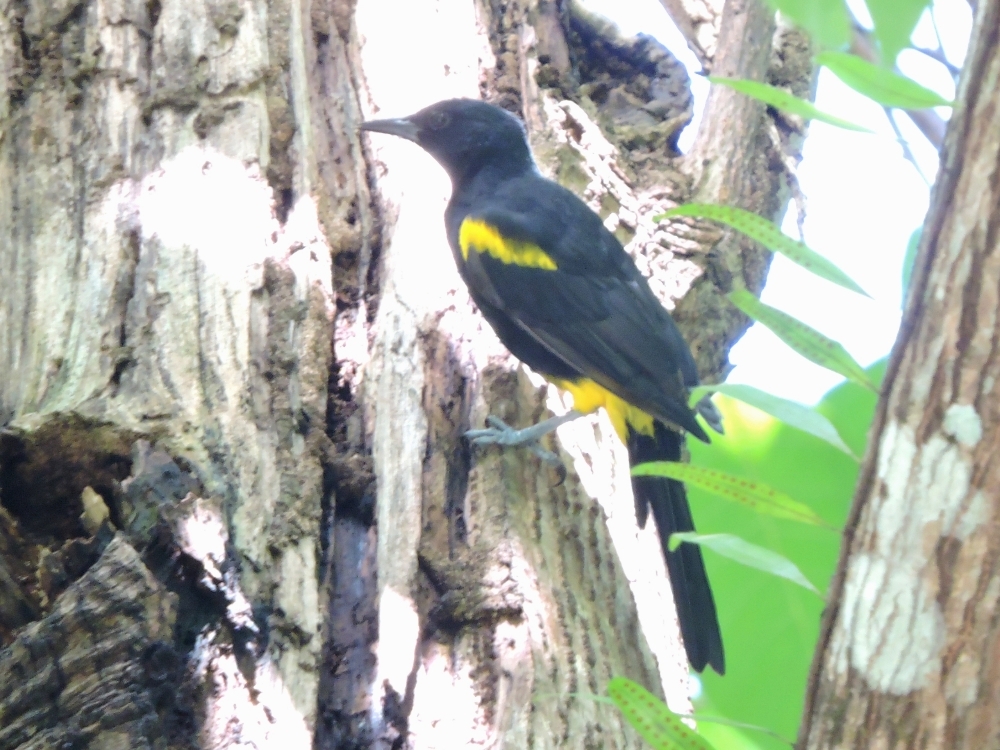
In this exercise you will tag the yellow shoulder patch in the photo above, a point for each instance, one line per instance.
(477, 235)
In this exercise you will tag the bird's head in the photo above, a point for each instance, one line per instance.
(464, 135)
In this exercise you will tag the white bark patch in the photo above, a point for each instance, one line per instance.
(962, 686)
(303, 242)
(895, 455)
(433, 38)
(894, 629)
(936, 494)
(514, 645)
(925, 490)
(447, 708)
(962, 422)
(201, 534)
(972, 516)
(298, 598)
(399, 633)
(226, 208)
(520, 648)
(601, 461)
(236, 715)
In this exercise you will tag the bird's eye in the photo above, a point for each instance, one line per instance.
(439, 120)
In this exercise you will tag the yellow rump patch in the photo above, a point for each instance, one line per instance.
(588, 396)
(483, 238)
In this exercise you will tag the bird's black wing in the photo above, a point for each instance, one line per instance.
(592, 310)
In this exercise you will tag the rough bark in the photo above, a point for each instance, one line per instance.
(164, 275)
(907, 651)
(236, 505)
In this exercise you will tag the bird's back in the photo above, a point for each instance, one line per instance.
(591, 315)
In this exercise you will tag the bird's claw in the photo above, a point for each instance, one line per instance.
(501, 433)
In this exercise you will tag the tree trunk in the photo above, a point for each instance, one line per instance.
(236, 504)
(907, 651)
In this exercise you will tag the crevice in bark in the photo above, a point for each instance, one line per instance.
(346, 209)
(142, 565)
(182, 539)
(120, 352)
(349, 534)
(502, 86)
(456, 487)
(395, 715)
(351, 629)
(153, 8)
(44, 472)
(282, 163)
(636, 89)
(51, 531)
(27, 70)
(448, 402)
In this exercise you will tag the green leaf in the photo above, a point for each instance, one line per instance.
(793, 414)
(909, 261)
(894, 23)
(807, 341)
(770, 236)
(760, 497)
(885, 87)
(657, 724)
(745, 553)
(771, 630)
(826, 21)
(781, 99)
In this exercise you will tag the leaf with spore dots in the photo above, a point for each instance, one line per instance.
(885, 87)
(807, 341)
(770, 236)
(757, 496)
(657, 724)
(781, 99)
(745, 553)
(793, 414)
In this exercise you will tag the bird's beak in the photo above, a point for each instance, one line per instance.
(402, 127)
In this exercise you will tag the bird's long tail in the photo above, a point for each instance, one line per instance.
(668, 501)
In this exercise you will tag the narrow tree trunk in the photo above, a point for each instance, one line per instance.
(907, 652)
(531, 563)
(236, 504)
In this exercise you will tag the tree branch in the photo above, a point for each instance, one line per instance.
(927, 120)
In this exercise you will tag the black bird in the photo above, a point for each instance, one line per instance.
(567, 300)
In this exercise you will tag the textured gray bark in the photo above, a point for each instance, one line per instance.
(907, 649)
(236, 378)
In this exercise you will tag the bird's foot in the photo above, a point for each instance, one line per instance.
(501, 433)
(710, 414)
